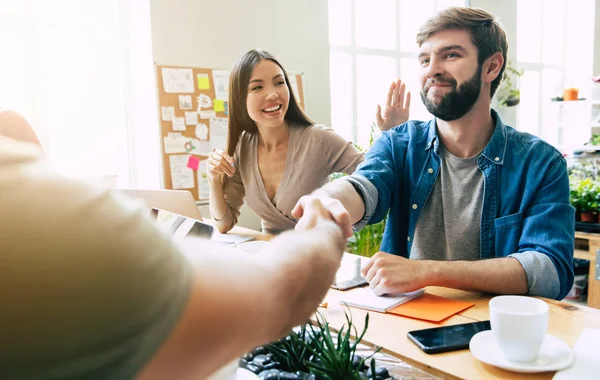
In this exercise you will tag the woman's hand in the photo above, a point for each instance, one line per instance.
(396, 110)
(219, 163)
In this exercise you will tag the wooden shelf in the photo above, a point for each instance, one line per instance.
(586, 245)
(583, 255)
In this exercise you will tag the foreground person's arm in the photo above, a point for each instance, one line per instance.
(91, 289)
(239, 300)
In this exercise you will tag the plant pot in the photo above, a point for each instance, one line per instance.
(589, 216)
(512, 101)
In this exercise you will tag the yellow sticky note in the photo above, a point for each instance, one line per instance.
(219, 105)
(203, 83)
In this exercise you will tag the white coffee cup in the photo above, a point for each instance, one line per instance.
(519, 325)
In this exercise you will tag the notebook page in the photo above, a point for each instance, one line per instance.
(364, 298)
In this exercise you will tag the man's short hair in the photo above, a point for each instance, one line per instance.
(486, 33)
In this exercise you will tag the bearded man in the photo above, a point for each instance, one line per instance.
(471, 203)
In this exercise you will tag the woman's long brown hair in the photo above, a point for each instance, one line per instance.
(239, 119)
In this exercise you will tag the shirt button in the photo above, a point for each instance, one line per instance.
(408, 238)
(430, 170)
(497, 159)
(414, 206)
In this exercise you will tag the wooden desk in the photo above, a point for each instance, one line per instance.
(566, 321)
(586, 245)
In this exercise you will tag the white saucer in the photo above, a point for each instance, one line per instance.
(554, 354)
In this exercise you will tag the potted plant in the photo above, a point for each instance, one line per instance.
(585, 197)
(509, 94)
(367, 241)
(315, 352)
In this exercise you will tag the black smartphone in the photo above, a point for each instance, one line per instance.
(447, 338)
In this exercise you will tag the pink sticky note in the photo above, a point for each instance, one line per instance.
(193, 162)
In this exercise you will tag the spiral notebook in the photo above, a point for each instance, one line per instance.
(364, 298)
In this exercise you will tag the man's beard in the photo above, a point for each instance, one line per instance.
(457, 102)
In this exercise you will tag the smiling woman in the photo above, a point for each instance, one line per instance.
(271, 144)
(275, 152)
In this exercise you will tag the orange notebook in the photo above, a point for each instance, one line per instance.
(430, 307)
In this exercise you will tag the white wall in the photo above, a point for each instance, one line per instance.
(215, 33)
(506, 12)
(597, 40)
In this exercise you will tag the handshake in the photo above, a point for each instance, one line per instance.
(319, 210)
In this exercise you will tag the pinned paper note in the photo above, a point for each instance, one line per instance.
(218, 133)
(207, 114)
(203, 82)
(191, 118)
(202, 180)
(177, 80)
(204, 101)
(221, 82)
(202, 148)
(193, 162)
(175, 142)
(178, 123)
(182, 177)
(185, 102)
(202, 131)
(219, 105)
(167, 113)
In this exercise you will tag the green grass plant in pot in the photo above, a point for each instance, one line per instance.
(585, 197)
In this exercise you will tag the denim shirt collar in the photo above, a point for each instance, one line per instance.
(495, 149)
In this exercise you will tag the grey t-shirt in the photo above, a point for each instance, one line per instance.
(449, 225)
(89, 288)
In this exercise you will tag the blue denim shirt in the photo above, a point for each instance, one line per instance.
(526, 211)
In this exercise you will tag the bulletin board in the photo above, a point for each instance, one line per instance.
(193, 110)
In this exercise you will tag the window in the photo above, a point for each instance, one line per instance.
(67, 66)
(555, 49)
(371, 45)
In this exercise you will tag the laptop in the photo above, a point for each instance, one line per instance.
(181, 202)
(181, 227)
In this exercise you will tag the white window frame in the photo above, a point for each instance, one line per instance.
(141, 130)
(354, 51)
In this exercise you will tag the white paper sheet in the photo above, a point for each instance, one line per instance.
(202, 180)
(182, 177)
(207, 114)
(177, 80)
(191, 118)
(587, 358)
(221, 82)
(178, 123)
(204, 101)
(176, 143)
(167, 113)
(294, 85)
(185, 102)
(202, 147)
(218, 133)
(202, 131)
